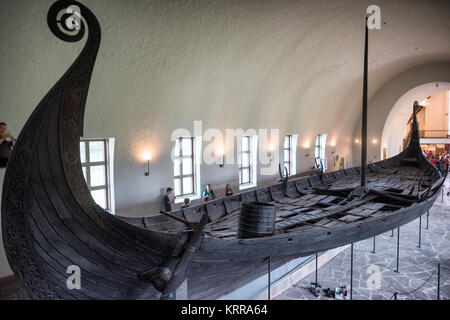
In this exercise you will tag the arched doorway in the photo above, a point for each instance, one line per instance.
(397, 120)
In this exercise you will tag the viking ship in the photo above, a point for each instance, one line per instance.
(51, 222)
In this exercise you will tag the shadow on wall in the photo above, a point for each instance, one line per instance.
(162, 193)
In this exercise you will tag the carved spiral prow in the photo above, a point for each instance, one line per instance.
(67, 18)
(57, 121)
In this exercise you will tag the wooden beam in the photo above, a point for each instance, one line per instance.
(191, 225)
(364, 114)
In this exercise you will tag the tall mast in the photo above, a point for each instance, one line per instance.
(364, 115)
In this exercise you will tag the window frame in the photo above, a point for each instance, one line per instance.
(249, 167)
(106, 163)
(289, 150)
(252, 162)
(182, 176)
(320, 156)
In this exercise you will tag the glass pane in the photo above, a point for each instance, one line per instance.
(96, 151)
(323, 143)
(286, 155)
(83, 152)
(84, 173)
(187, 166)
(187, 146)
(245, 175)
(324, 163)
(177, 148)
(100, 197)
(176, 167)
(286, 142)
(245, 160)
(286, 166)
(98, 176)
(245, 144)
(177, 187)
(187, 186)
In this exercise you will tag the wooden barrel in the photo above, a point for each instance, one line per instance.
(257, 219)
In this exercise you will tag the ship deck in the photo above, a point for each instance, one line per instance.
(325, 206)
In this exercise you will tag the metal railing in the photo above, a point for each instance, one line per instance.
(443, 134)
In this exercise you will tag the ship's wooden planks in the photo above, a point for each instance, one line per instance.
(311, 207)
(48, 214)
(297, 213)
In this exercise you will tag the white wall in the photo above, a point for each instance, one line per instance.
(436, 113)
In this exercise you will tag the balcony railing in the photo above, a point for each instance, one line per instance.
(439, 134)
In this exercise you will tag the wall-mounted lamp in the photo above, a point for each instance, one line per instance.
(270, 149)
(374, 141)
(220, 152)
(306, 146)
(356, 140)
(333, 147)
(146, 156)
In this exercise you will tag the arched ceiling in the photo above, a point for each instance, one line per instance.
(274, 62)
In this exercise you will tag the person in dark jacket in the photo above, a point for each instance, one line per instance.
(7, 142)
(167, 201)
(186, 203)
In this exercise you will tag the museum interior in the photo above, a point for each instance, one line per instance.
(225, 150)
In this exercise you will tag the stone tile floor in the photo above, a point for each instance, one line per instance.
(416, 265)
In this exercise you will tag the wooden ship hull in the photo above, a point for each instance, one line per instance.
(308, 222)
(51, 222)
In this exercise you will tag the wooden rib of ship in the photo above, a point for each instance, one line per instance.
(50, 221)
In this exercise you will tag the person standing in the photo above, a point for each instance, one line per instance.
(7, 142)
(167, 201)
(433, 161)
(446, 164)
(208, 193)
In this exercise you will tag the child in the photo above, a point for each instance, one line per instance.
(187, 202)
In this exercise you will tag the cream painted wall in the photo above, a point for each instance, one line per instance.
(436, 114)
(395, 128)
